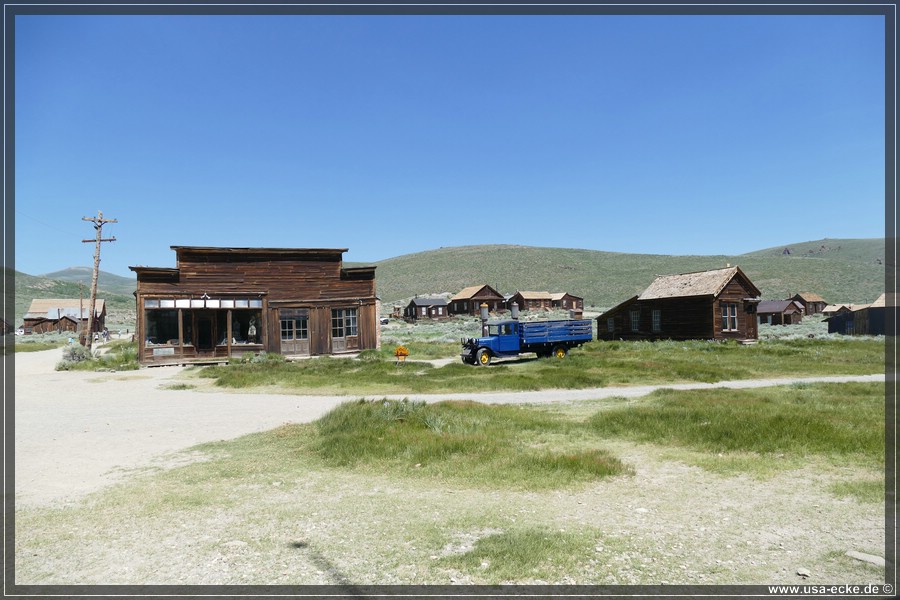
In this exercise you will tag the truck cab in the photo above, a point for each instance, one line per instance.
(502, 339)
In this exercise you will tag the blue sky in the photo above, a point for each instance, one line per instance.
(396, 134)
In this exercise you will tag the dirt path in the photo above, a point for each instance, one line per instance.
(77, 432)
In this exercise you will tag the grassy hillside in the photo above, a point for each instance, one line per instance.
(119, 306)
(840, 270)
(114, 284)
(848, 274)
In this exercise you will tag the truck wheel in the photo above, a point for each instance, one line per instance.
(483, 358)
(560, 352)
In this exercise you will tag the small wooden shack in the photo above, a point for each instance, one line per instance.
(567, 301)
(835, 309)
(227, 302)
(55, 315)
(779, 312)
(813, 304)
(531, 300)
(469, 300)
(864, 319)
(426, 308)
(717, 304)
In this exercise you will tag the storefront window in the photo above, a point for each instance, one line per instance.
(161, 327)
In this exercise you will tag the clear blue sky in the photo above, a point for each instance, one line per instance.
(396, 134)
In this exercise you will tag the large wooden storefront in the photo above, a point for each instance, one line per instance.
(226, 302)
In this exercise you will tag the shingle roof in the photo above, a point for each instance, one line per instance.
(810, 297)
(46, 308)
(535, 295)
(469, 292)
(700, 283)
(776, 306)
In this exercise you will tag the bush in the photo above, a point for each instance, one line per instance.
(73, 355)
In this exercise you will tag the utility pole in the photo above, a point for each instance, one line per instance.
(98, 222)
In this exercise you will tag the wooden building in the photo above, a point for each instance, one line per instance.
(531, 300)
(864, 319)
(567, 301)
(717, 304)
(468, 301)
(226, 302)
(54, 315)
(835, 309)
(779, 312)
(426, 308)
(813, 304)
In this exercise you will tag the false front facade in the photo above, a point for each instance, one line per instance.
(219, 303)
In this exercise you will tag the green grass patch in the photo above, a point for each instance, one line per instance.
(529, 553)
(863, 490)
(839, 420)
(466, 442)
(597, 364)
(39, 346)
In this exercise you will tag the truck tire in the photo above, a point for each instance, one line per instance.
(560, 352)
(483, 357)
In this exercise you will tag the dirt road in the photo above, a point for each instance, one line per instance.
(77, 432)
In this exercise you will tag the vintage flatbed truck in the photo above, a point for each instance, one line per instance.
(512, 337)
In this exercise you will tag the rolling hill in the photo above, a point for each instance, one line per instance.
(840, 270)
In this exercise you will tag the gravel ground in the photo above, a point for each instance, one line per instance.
(78, 432)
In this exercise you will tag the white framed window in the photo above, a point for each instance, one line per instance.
(343, 322)
(657, 320)
(729, 316)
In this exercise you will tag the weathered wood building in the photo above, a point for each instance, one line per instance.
(531, 300)
(226, 302)
(426, 308)
(567, 301)
(813, 304)
(468, 301)
(869, 319)
(716, 304)
(779, 312)
(53, 315)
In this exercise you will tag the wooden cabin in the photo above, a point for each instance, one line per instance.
(717, 304)
(219, 303)
(55, 315)
(468, 301)
(531, 300)
(864, 319)
(567, 301)
(813, 304)
(835, 309)
(426, 308)
(779, 312)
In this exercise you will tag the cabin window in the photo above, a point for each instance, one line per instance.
(611, 325)
(635, 320)
(729, 316)
(294, 328)
(657, 320)
(343, 322)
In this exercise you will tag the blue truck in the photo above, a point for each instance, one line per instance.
(512, 337)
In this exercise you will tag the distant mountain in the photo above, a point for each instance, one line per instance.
(106, 281)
